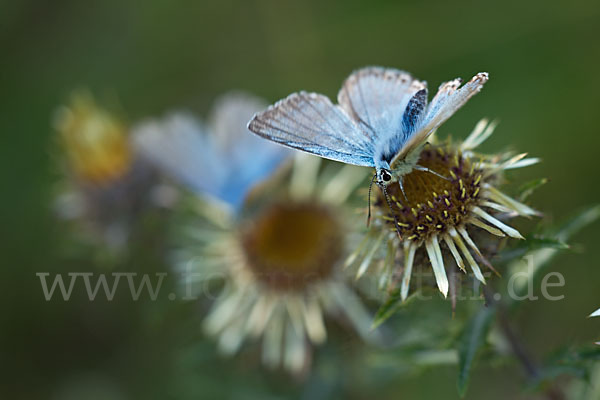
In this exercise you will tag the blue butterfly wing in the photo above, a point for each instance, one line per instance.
(379, 100)
(449, 98)
(247, 158)
(222, 160)
(180, 147)
(311, 123)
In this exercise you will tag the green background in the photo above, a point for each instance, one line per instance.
(544, 86)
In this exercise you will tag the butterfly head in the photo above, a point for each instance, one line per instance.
(384, 177)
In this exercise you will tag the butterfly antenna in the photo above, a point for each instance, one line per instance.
(396, 223)
(369, 201)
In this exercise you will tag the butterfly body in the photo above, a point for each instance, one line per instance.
(382, 120)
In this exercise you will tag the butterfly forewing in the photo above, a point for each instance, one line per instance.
(311, 123)
(376, 99)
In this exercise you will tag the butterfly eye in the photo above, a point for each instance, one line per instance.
(386, 176)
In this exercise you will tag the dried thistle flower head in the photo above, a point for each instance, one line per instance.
(276, 238)
(292, 244)
(438, 206)
(283, 266)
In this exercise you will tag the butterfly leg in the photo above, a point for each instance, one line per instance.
(370, 186)
(425, 169)
(402, 190)
(396, 223)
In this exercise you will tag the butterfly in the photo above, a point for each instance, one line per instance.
(382, 120)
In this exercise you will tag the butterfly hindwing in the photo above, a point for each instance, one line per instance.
(449, 98)
(311, 123)
(414, 112)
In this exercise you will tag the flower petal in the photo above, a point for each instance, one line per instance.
(232, 337)
(409, 256)
(313, 320)
(260, 314)
(437, 265)
(366, 262)
(483, 225)
(348, 303)
(359, 249)
(224, 311)
(496, 195)
(481, 132)
(467, 254)
(338, 188)
(505, 228)
(294, 356)
(388, 265)
(497, 207)
(526, 162)
(304, 175)
(271, 344)
(455, 253)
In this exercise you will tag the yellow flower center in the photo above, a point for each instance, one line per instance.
(433, 204)
(95, 143)
(291, 245)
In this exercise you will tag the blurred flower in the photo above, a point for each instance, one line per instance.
(283, 266)
(458, 191)
(221, 160)
(280, 252)
(282, 263)
(107, 184)
(95, 142)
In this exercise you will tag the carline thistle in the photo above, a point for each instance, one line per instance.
(275, 231)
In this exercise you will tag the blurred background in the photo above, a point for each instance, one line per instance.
(155, 56)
